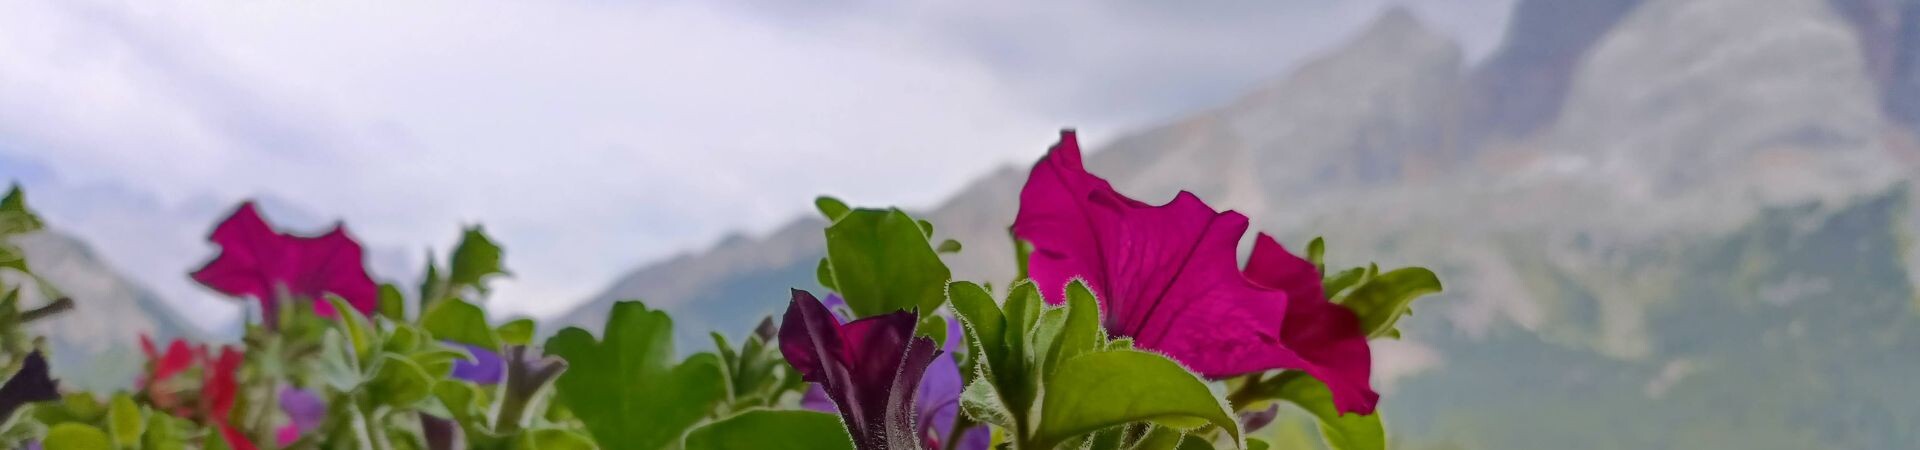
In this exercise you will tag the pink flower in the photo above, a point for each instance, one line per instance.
(1167, 276)
(256, 261)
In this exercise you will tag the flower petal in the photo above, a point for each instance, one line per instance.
(1167, 275)
(222, 386)
(485, 368)
(306, 410)
(871, 368)
(256, 261)
(1326, 336)
(31, 384)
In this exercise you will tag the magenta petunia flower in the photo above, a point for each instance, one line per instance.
(1327, 337)
(256, 261)
(1167, 276)
(937, 401)
(871, 368)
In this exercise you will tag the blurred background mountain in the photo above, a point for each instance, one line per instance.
(1662, 224)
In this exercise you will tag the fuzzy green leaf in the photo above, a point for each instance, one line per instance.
(1382, 299)
(1103, 389)
(791, 430)
(400, 382)
(123, 417)
(626, 387)
(456, 320)
(881, 262)
(1341, 432)
(831, 208)
(76, 436)
(474, 260)
(517, 332)
(392, 305)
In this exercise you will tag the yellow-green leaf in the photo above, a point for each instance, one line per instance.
(1107, 388)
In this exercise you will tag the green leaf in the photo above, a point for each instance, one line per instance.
(932, 326)
(1023, 315)
(400, 383)
(1081, 332)
(881, 262)
(76, 436)
(1195, 443)
(553, 439)
(15, 217)
(1317, 254)
(360, 333)
(163, 432)
(768, 429)
(628, 379)
(979, 316)
(1384, 298)
(474, 260)
(456, 320)
(982, 402)
(1103, 389)
(1256, 444)
(1337, 285)
(1341, 432)
(517, 332)
(1160, 438)
(831, 208)
(948, 246)
(463, 401)
(432, 285)
(824, 275)
(338, 367)
(392, 304)
(123, 417)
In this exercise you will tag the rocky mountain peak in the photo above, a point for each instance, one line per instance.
(1521, 87)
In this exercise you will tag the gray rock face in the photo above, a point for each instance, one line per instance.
(1380, 109)
(1521, 88)
(1692, 94)
(95, 345)
(1889, 35)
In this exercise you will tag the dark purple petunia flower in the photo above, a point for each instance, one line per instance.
(31, 384)
(485, 368)
(938, 398)
(871, 368)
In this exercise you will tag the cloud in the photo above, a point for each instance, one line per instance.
(587, 136)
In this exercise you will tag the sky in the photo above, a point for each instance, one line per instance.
(588, 137)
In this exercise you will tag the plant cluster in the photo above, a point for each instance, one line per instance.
(1130, 326)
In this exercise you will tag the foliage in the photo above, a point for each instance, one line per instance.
(334, 361)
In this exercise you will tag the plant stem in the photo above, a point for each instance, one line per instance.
(61, 305)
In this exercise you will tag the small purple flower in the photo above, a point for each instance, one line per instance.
(485, 367)
(305, 410)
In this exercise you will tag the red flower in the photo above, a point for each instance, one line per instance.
(222, 384)
(178, 358)
(256, 261)
(1167, 277)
